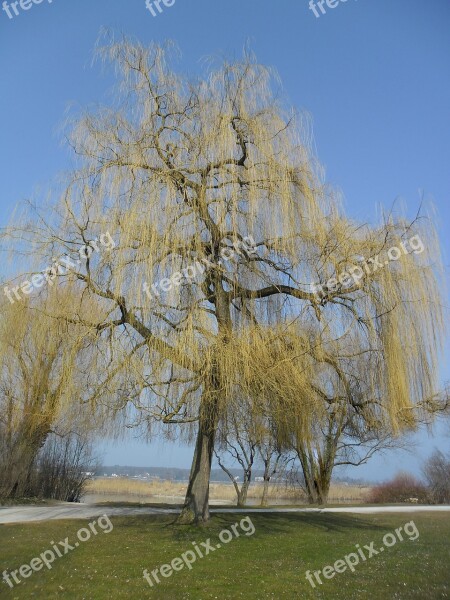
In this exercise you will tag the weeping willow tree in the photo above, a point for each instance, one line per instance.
(40, 380)
(222, 227)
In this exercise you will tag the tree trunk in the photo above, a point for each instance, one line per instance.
(18, 466)
(323, 483)
(242, 494)
(308, 475)
(322, 496)
(196, 504)
(310, 485)
(266, 476)
(265, 493)
(319, 493)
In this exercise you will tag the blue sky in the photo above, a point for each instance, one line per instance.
(373, 75)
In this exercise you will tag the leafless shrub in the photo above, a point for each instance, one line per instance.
(403, 488)
(63, 468)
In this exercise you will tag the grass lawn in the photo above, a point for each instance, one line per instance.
(270, 564)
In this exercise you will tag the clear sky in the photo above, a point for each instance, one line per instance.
(374, 75)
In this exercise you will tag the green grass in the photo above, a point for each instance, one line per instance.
(271, 564)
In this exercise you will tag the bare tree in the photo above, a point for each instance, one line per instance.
(238, 436)
(437, 475)
(245, 458)
(185, 175)
(275, 460)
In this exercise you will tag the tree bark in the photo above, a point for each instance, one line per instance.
(265, 493)
(317, 473)
(323, 482)
(196, 504)
(242, 494)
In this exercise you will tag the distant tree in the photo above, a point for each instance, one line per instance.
(249, 439)
(437, 475)
(238, 438)
(274, 463)
(273, 455)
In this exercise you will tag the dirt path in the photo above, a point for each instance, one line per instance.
(26, 514)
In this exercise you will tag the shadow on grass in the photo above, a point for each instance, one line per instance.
(330, 522)
(266, 524)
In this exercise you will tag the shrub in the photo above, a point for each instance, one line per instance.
(403, 488)
(63, 468)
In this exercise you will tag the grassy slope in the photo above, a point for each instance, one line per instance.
(270, 564)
